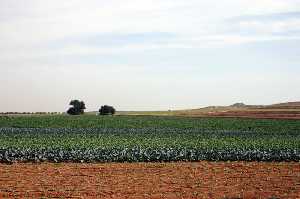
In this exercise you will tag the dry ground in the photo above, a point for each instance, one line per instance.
(289, 110)
(262, 113)
(151, 180)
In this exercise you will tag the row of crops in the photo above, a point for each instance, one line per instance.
(88, 121)
(133, 139)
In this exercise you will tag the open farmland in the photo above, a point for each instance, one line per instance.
(91, 121)
(197, 180)
(289, 110)
(147, 138)
(170, 157)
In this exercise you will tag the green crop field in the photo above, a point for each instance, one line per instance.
(91, 121)
(147, 138)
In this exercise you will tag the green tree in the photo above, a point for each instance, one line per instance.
(78, 107)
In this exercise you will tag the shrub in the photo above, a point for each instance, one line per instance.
(77, 109)
(107, 110)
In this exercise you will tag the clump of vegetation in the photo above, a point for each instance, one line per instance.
(238, 105)
(77, 109)
(107, 110)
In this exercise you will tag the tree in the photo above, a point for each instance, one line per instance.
(77, 109)
(107, 110)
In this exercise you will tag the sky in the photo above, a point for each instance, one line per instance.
(148, 54)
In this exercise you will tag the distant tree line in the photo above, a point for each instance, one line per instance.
(30, 113)
(77, 108)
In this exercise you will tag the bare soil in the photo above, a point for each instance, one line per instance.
(259, 114)
(151, 180)
(244, 113)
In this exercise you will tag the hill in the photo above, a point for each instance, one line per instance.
(288, 110)
(286, 105)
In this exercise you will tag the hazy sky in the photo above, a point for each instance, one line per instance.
(148, 54)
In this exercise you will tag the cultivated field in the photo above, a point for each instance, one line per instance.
(198, 180)
(289, 110)
(145, 156)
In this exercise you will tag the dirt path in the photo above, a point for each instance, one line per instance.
(151, 180)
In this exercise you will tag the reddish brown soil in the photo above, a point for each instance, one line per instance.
(151, 180)
(259, 114)
(286, 105)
